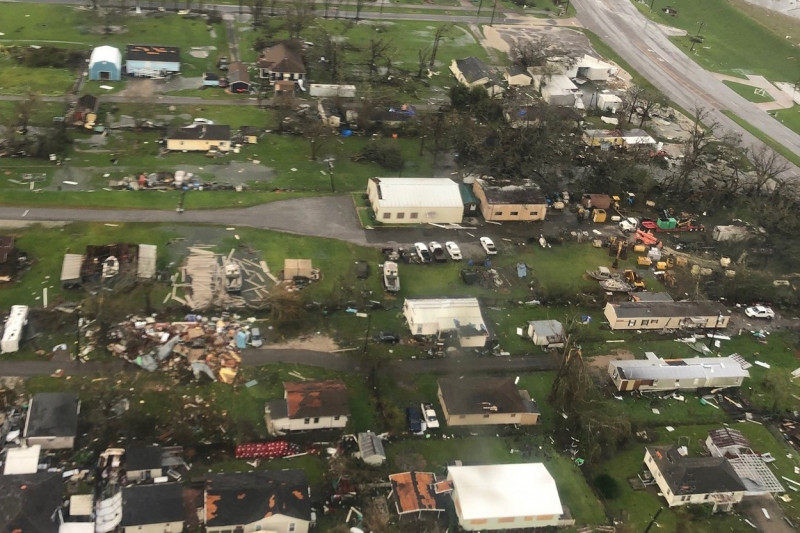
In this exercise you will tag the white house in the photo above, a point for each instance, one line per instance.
(415, 200)
(156, 508)
(459, 318)
(686, 480)
(309, 405)
(502, 497)
(275, 501)
(610, 102)
(546, 333)
(558, 90)
(657, 374)
(12, 332)
(52, 420)
(590, 68)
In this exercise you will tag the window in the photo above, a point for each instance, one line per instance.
(291, 526)
(462, 417)
(401, 215)
(414, 215)
(258, 527)
(645, 322)
(632, 323)
(387, 215)
(707, 496)
(306, 421)
(498, 213)
(506, 519)
(478, 521)
(316, 420)
(534, 213)
(514, 213)
(486, 415)
(337, 417)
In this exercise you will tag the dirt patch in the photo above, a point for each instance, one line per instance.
(317, 343)
(600, 362)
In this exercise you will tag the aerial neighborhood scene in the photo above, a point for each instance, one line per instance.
(399, 266)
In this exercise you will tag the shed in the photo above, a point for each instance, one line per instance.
(15, 324)
(210, 79)
(370, 449)
(546, 333)
(238, 78)
(285, 87)
(52, 420)
(105, 64)
(293, 268)
(71, 271)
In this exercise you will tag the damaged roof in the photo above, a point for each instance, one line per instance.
(482, 395)
(143, 458)
(152, 504)
(413, 492)
(244, 498)
(28, 501)
(694, 475)
(309, 399)
(511, 193)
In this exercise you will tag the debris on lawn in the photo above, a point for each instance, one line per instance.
(202, 345)
(269, 450)
(164, 181)
(210, 280)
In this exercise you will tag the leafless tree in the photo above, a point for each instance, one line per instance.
(299, 14)
(378, 49)
(257, 10)
(359, 7)
(649, 100)
(632, 97)
(318, 134)
(768, 166)
(326, 6)
(441, 33)
(423, 54)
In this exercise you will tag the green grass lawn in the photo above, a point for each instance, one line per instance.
(789, 117)
(757, 49)
(766, 139)
(747, 92)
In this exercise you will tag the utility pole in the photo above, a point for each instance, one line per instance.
(330, 161)
(697, 37)
(480, 6)
(494, 9)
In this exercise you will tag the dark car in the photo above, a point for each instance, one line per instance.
(414, 419)
(387, 336)
(362, 270)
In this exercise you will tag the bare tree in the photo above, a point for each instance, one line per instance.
(632, 97)
(299, 14)
(257, 10)
(359, 7)
(378, 49)
(441, 33)
(767, 169)
(423, 55)
(318, 135)
(326, 5)
(649, 100)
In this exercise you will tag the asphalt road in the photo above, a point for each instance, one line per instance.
(648, 50)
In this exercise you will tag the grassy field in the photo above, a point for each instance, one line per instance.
(789, 117)
(766, 139)
(747, 92)
(758, 50)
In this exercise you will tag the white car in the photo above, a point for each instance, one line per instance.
(453, 250)
(423, 252)
(488, 246)
(429, 415)
(203, 122)
(760, 311)
(628, 224)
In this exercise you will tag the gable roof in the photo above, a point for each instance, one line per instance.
(727, 437)
(214, 132)
(309, 399)
(146, 52)
(29, 500)
(484, 395)
(370, 445)
(497, 491)
(473, 69)
(517, 70)
(244, 498)
(417, 192)
(143, 457)
(281, 58)
(694, 475)
(88, 101)
(52, 414)
(237, 72)
(152, 504)
(668, 309)
(413, 492)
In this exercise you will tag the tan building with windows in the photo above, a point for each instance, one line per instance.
(199, 138)
(667, 315)
(486, 402)
(523, 202)
(415, 200)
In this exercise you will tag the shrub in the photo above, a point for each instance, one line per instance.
(607, 486)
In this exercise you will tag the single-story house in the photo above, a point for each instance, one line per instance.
(265, 500)
(105, 64)
(590, 68)
(657, 374)
(156, 508)
(370, 448)
(148, 61)
(199, 138)
(604, 139)
(415, 200)
(666, 315)
(238, 78)
(413, 492)
(280, 62)
(546, 333)
(686, 480)
(473, 72)
(457, 318)
(521, 202)
(309, 405)
(558, 90)
(52, 420)
(637, 137)
(485, 401)
(754, 472)
(503, 497)
(29, 500)
(608, 101)
(143, 462)
(517, 76)
(22, 460)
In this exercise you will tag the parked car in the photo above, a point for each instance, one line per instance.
(423, 252)
(628, 224)
(416, 424)
(362, 269)
(202, 122)
(453, 250)
(387, 337)
(222, 64)
(430, 416)
(437, 252)
(255, 338)
(488, 246)
(760, 311)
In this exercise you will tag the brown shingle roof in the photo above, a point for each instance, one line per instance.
(308, 399)
(413, 492)
(280, 58)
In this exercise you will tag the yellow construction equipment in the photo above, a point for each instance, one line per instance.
(644, 261)
(599, 216)
(634, 279)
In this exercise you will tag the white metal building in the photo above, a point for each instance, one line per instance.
(415, 200)
(504, 497)
(105, 64)
(657, 374)
(12, 333)
(438, 316)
